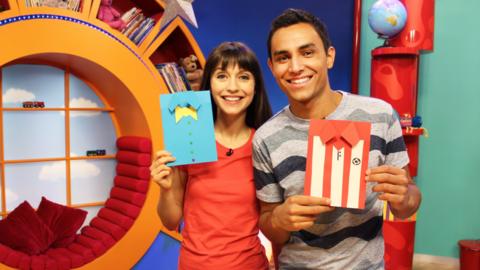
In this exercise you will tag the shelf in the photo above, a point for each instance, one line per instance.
(81, 11)
(148, 8)
(413, 131)
(175, 42)
(383, 51)
(8, 6)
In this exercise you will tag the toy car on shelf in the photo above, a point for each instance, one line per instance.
(97, 152)
(33, 104)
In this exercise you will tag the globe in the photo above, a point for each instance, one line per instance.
(387, 18)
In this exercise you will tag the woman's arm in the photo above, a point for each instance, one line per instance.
(172, 187)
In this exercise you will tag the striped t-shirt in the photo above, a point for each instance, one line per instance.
(343, 238)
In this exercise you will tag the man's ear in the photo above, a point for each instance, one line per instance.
(330, 57)
(269, 63)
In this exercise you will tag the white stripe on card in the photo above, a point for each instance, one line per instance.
(318, 164)
(354, 178)
(336, 182)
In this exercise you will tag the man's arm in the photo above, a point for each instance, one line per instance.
(397, 188)
(298, 212)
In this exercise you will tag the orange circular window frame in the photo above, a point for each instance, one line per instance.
(122, 75)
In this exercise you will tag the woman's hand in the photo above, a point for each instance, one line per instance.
(160, 172)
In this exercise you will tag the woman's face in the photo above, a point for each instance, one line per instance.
(232, 90)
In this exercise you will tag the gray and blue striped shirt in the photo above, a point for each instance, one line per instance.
(344, 238)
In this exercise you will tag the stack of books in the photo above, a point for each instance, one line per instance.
(174, 76)
(66, 4)
(137, 25)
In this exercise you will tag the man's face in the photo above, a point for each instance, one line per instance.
(299, 62)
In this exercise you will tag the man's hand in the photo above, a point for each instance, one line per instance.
(299, 212)
(395, 186)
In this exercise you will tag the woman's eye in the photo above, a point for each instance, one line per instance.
(245, 77)
(221, 76)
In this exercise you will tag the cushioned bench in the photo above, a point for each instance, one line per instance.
(112, 221)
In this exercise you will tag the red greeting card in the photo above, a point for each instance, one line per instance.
(337, 159)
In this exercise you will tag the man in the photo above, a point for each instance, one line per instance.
(313, 234)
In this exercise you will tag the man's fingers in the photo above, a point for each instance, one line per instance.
(308, 200)
(302, 225)
(386, 169)
(392, 198)
(389, 188)
(314, 210)
(387, 178)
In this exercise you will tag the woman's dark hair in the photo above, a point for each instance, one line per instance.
(237, 53)
(293, 16)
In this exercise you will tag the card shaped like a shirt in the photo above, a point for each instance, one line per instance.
(337, 158)
(187, 123)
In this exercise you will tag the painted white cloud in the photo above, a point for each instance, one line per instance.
(56, 171)
(53, 172)
(83, 103)
(84, 169)
(15, 95)
(11, 196)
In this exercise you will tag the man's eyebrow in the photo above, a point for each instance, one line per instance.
(306, 46)
(279, 52)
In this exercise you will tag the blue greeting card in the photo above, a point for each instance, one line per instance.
(188, 131)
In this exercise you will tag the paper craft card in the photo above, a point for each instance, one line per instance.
(337, 158)
(188, 131)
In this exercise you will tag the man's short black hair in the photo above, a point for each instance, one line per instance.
(293, 16)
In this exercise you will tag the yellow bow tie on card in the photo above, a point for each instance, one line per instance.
(181, 112)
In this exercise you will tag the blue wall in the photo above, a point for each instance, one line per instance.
(249, 21)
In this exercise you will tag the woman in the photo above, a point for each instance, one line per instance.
(217, 199)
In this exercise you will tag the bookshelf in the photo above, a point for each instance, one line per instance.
(124, 75)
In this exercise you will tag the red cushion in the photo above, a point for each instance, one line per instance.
(75, 259)
(64, 221)
(95, 245)
(127, 196)
(133, 171)
(133, 143)
(17, 259)
(134, 158)
(115, 217)
(133, 184)
(106, 239)
(4, 251)
(109, 227)
(38, 262)
(24, 231)
(123, 207)
(85, 252)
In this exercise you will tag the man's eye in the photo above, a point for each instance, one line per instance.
(281, 59)
(308, 53)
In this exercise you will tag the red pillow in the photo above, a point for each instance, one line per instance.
(24, 231)
(64, 221)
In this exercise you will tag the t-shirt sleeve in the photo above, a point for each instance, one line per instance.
(396, 150)
(267, 187)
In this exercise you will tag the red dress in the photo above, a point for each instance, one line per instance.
(221, 214)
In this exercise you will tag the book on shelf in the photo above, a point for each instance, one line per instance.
(174, 76)
(73, 5)
(137, 25)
